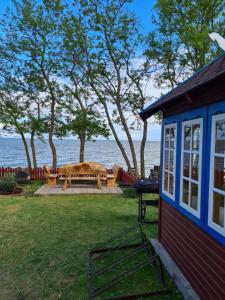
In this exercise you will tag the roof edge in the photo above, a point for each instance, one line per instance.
(156, 106)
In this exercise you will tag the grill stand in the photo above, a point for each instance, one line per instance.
(142, 204)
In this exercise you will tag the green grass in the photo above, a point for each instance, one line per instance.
(44, 243)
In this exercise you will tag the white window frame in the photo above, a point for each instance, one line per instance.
(172, 125)
(199, 182)
(212, 189)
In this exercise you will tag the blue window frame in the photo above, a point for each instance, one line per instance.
(213, 211)
(169, 160)
(191, 165)
(191, 118)
(210, 217)
(170, 124)
(216, 215)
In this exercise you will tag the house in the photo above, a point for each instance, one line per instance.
(192, 188)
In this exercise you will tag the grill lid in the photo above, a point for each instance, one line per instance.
(147, 186)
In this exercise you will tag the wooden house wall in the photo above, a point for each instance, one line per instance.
(198, 255)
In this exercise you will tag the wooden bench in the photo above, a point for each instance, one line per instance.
(51, 178)
(111, 178)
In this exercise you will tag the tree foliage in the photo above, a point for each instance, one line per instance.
(180, 44)
(80, 67)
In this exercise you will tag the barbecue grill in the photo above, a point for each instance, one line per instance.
(22, 177)
(147, 186)
(142, 186)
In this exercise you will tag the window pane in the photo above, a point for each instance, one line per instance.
(186, 164)
(167, 137)
(194, 166)
(194, 196)
(185, 191)
(171, 167)
(196, 137)
(218, 209)
(172, 137)
(166, 160)
(187, 137)
(166, 181)
(219, 173)
(220, 136)
(171, 184)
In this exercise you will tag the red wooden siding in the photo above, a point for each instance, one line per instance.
(200, 258)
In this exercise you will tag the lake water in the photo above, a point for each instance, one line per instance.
(106, 152)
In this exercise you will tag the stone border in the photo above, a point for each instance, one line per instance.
(19, 191)
(174, 271)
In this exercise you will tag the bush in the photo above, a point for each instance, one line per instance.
(8, 184)
(129, 193)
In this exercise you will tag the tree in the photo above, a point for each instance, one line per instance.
(30, 31)
(12, 116)
(179, 44)
(36, 122)
(86, 125)
(80, 110)
(76, 67)
(112, 68)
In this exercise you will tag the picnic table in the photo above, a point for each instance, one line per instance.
(87, 171)
(82, 171)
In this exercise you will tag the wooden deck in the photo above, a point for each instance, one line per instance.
(77, 189)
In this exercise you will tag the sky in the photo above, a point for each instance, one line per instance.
(3, 5)
(143, 10)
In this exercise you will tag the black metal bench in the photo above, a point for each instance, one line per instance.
(119, 258)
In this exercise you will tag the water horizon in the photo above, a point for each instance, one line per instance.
(12, 153)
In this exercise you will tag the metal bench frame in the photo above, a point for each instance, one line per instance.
(138, 243)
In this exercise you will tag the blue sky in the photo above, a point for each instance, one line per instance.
(143, 10)
(4, 4)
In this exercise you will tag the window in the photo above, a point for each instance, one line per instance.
(169, 160)
(217, 175)
(191, 153)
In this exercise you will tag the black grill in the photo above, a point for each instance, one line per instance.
(22, 177)
(142, 186)
(147, 186)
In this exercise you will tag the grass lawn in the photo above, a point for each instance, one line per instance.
(45, 240)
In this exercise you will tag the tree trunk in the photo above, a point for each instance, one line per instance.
(116, 138)
(118, 102)
(142, 149)
(130, 141)
(53, 149)
(52, 122)
(119, 144)
(32, 144)
(82, 145)
(26, 150)
(50, 135)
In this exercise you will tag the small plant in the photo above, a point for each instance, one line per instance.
(8, 184)
(129, 193)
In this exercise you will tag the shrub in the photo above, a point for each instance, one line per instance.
(129, 193)
(8, 184)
